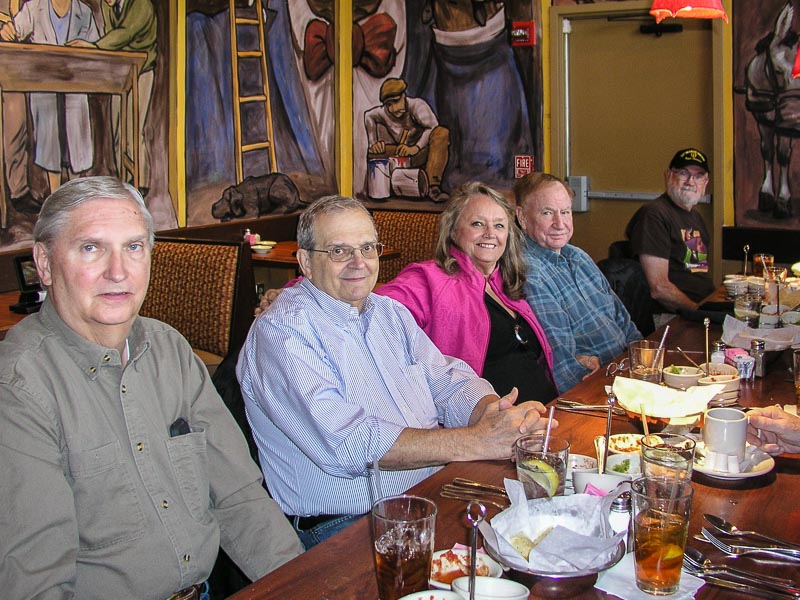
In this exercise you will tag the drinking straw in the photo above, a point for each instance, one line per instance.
(706, 323)
(549, 426)
(660, 350)
(644, 421)
(376, 471)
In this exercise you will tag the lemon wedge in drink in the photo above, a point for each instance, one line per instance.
(672, 552)
(543, 475)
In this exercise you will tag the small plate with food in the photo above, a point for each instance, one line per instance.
(623, 443)
(448, 565)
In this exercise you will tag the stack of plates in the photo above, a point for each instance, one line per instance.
(756, 285)
(736, 285)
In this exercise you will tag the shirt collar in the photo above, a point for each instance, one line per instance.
(546, 254)
(470, 271)
(90, 357)
(342, 312)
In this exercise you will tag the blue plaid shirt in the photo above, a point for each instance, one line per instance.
(577, 309)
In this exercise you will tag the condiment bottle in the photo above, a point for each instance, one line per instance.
(757, 352)
(247, 236)
(620, 518)
(718, 352)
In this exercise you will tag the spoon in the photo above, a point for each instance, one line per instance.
(475, 514)
(686, 356)
(731, 529)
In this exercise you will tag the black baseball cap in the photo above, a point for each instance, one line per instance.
(689, 157)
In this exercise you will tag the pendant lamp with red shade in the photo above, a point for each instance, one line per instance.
(688, 9)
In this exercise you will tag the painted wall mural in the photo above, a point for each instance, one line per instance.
(766, 114)
(51, 137)
(440, 97)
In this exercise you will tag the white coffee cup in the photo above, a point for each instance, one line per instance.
(725, 431)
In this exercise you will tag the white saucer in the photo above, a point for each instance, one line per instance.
(764, 465)
(724, 399)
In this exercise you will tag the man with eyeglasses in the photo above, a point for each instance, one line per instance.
(670, 237)
(338, 380)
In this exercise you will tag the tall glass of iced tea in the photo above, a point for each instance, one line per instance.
(661, 510)
(402, 530)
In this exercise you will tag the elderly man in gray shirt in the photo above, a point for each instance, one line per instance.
(122, 471)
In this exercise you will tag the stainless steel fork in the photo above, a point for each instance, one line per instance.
(740, 549)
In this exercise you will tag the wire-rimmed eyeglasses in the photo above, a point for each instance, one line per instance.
(686, 175)
(345, 253)
(617, 368)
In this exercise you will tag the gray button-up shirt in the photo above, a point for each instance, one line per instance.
(99, 501)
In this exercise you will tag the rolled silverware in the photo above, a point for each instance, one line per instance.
(564, 404)
(754, 590)
(477, 485)
(465, 497)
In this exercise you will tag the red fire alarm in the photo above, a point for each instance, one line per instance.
(523, 33)
(523, 164)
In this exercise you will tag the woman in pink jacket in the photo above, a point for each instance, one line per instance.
(469, 298)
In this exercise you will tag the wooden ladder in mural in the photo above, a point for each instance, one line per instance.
(262, 97)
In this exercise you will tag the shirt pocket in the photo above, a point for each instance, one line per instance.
(106, 505)
(189, 458)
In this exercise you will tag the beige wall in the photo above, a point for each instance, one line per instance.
(634, 100)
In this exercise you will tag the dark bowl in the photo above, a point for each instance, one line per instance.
(560, 585)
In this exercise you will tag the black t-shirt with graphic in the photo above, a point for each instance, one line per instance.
(661, 228)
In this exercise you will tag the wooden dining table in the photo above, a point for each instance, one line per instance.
(342, 567)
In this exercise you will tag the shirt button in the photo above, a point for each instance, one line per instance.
(186, 558)
(92, 370)
(140, 446)
(106, 358)
(124, 389)
(164, 504)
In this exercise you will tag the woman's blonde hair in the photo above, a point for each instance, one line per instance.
(512, 264)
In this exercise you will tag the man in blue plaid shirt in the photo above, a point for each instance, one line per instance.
(586, 323)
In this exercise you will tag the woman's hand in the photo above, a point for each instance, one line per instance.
(266, 299)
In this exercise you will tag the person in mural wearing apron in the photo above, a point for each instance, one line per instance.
(61, 124)
(407, 127)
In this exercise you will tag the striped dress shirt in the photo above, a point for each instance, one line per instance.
(328, 389)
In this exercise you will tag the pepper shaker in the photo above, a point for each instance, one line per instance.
(757, 352)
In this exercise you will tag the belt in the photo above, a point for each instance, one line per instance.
(306, 523)
(190, 593)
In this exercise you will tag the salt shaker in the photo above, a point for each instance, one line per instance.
(620, 518)
(718, 352)
(757, 352)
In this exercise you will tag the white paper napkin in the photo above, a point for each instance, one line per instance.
(737, 334)
(620, 581)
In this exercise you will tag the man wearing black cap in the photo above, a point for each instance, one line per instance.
(403, 126)
(670, 238)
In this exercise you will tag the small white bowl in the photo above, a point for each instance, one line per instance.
(581, 462)
(685, 377)
(602, 481)
(719, 369)
(627, 466)
(791, 317)
(769, 315)
(731, 382)
(491, 588)
(432, 595)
